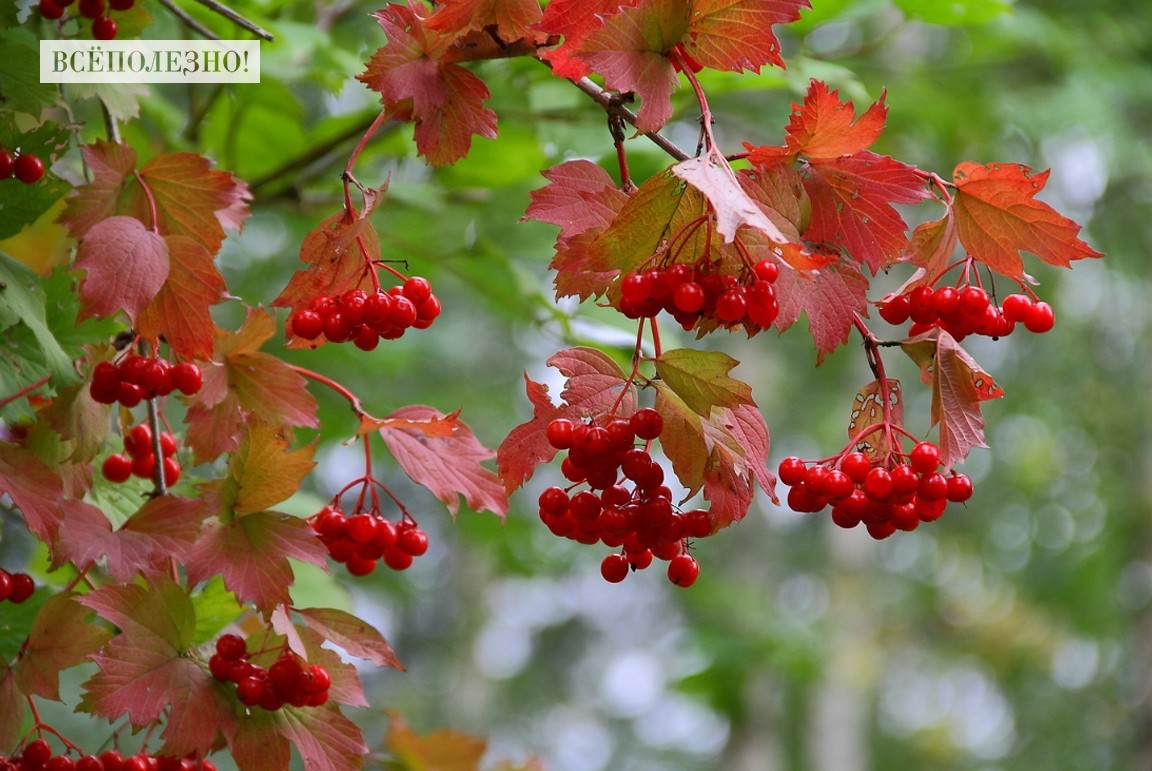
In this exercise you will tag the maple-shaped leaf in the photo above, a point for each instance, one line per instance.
(998, 216)
(357, 637)
(59, 639)
(594, 386)
(731, 205)
(868, 411)
(242, 381)
(701, 380)
(825, 127)
(337, 253)
(831, 298)
(737, 35)
(35, 488)
(960, 384)
(324, 737)
(180, 310)
(630, 50)
(852, 199)
(264, 471)
(191, 198)
(511, 19)
(439, 427)
(79, 420)
(449, 466)
(933, 245)
(575, 20)
(163, 527)
(444, 100)
(145, 673)
(126, 264)
(345, 687)
(778, 189)
(250, 552)
(443, 750)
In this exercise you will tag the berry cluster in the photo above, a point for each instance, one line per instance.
(37, 755)
(104, 27)
(139, 459)
(366, 318)
(26, 167)
(694, 293)
(964, 311)
(136, 377)
(360, 540)
(641, 520)
(886, 498)
(15, 587)
(287, 681)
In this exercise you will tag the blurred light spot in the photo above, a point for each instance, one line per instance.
(1075, 663)
(633, 682)
(679, 723)
(803, 597)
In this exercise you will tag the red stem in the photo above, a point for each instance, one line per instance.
(376, 124)
(155, 228)
(876, 363)
(357, 406)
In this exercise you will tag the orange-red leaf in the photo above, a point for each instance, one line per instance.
(512, 19)
(831, 297)
(449, 466)
(737, 35)
(442, 750)
(126, 264)
(998, 216)
(575, 20)
(180, 311)
(868, 410)
(959, 386)
(825, 127)
(932, 246)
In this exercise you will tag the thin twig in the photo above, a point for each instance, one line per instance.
(613, 106)
(312, 154)
(237, 19)
(188, 21)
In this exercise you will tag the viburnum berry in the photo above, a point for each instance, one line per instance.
(105, 28)
(91, 8)
(50, 9)
(117, 468)
(187, 378)
(36, 753)
(683, 570)
(6, 159)
(646, 423)
(614, 568)
(121, 5)
(21, 588)
(28, 168)
(1040, 318)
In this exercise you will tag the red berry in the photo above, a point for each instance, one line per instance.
(37, 752)
(360, 566)
(231, 647)
(22, 587)
(6, 159)
(117, 468)
(553, 500)
(112, 760)
(614, 568)
(417, 289)
(894, 309)
(973, 301)
(856, 465)
(925, 457)
(307, 324)
(878, 484)
(731, 306)
(285, 673)
(959, 488)
(49, 9)
(836, 486)
(766, 270)
(337, 327)
(144, 465)
(167, 444)
(157, 377)
(362, 528)
(646, 423)
(220, 667)
(104, 28)
(5, 585)
(933, 487)
(186, 377)
(946, 300)
(683, 570)
(428, 311)
(403, 312)
(90, 763)
(412, 540)
(319, 680)
(138, 441)
(1016, 307)
(921, 307)
(28, 168)
(121, 5)
(560, 433)
(91, 8)
(688, 297)
(397, 559)
(1040, 318)
(250, 691)
(793, 470)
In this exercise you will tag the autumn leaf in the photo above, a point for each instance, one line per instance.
(831, 298)
(126, 264)
(34, 488)
(448, 466)
(180, 310)
(445, 101)
(629, 49)
(441, 750)
(731, 205)
(998, 216)
(683, 438)
(59, 639)
(700, 379)
(575, 20)
(933, 245)
(12, 707)
(242, 381)
(79, 420)
(959, 386)
(263, 471)
(593, 386)
(868, 410)
(825, 127)
(144, 672)
(779, 191)
(433, 428)
(512, 19)
(355, 636)
(737, 35)
(250, 552)
(324, 737)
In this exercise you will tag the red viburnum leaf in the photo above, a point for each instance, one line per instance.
(144, 670)
(958, 388)
(445, 101)
(433, 428)
(867, 411)
(126, 264)
(852, 199)
(736, 35)
(241, 381)
(180, 311)
(163, 526)
(575, 20)
(831, 298)
(355, 636)
(629, 49)
(449, 466)
(442, 750)
(324, 737)
(700, 379)
(731, 205)
(59, 639)
(191, 199)
(825, 127)
(933, 245)
(35, 489)
(998, 216)
(512, 19)
(250, 553)
(592, 387)
(779, 191)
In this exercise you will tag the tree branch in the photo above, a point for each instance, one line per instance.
(237, 19)
(613, 106)
(188, 21)
(313, 154)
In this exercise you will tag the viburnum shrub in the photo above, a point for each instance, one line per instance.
(658, 453)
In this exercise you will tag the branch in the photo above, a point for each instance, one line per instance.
(237, 19)
(612, 105)
(188, 21)
(313, 154)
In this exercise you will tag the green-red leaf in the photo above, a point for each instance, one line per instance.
(59, 639)
(357, 637)
(700, 379)
(737, 35)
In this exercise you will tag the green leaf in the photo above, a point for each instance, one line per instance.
(955, 12)
(22, 301)
(15, 621)
(700, 379)
(20, 86)
(215, 608)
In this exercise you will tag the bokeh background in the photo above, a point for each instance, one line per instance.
(1014, 633)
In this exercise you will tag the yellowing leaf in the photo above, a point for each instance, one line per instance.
(264, 470)
(700, 379)
(442, 750)
(59, 639)
(868, 411)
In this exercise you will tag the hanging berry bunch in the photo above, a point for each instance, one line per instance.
(98, 13)
(288, 680)
(24, 166)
